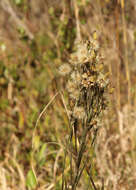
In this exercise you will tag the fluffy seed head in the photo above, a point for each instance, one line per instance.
(75, 94)
(71, 86)
(64, 69)
(81, 55)
(79, 112)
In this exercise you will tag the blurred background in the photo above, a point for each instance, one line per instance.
(36, 37)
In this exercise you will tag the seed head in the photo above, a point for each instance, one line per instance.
(75, 76)
(75, 94)
(71, 86)
(79, 112)
(64, 69)
(81, 55)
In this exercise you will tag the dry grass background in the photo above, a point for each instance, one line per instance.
(36, 37)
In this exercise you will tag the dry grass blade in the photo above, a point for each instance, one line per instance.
(8, 8)
(40, 115)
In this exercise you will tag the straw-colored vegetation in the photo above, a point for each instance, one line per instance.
(67, 95)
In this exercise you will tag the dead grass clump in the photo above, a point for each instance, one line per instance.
(115, 154)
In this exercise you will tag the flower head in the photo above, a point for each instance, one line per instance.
(81, 54)
(79, 112)
(64, 69)
(71, 86)
(75, 94)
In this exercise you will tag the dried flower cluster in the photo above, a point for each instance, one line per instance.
(87, 85)
(87, 82)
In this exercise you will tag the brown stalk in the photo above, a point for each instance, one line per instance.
(126, 51)
(118, 54)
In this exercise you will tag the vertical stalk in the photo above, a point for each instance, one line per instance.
(118, 53)
(77, 20)
(126, 52)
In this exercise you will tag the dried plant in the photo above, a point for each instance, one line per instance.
(87, 85)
